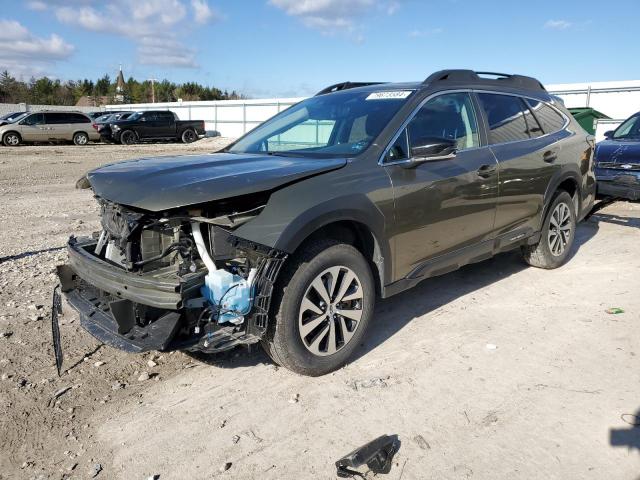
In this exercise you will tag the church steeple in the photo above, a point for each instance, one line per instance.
(120, 82)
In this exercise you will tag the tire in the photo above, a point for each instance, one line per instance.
(128, 137)
(557, 236)
(80, 138)
(11, 139)
(313, 352)
(189, 136)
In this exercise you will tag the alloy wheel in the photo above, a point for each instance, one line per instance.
(559, 229)
(330, 311)
(128, 138)
(188, 136)
(13, 139)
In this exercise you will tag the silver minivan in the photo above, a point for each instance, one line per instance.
(50, 126)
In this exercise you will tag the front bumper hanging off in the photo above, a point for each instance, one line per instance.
(110, 300)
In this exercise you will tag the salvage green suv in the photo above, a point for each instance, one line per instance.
(287, 236)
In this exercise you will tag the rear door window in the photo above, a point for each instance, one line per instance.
(505, 114)
(56, 118)
(550, 119)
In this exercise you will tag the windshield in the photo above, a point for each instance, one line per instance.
(338, 124)
(135, 116)
(12, 117)
(630, 128)
(16, 117)
(103, 118)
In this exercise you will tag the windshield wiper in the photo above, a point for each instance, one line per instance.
(283, 154)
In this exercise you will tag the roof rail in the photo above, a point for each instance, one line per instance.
(521, 81)
(345, 86)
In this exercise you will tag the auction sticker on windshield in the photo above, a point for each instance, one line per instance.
(389, 95)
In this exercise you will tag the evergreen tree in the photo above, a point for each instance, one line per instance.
(46, 91)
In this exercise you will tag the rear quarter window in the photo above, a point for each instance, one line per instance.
(550, 119)
(78, 118)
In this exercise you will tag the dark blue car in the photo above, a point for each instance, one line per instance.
(617, 161)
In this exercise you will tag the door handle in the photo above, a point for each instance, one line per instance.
(485, 171)
(550, 156)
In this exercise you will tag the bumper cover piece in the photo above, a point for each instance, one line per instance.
(377, 455)
(56, 311)
(97, 319)
(159, 289)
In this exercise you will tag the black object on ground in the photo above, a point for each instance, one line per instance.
(56, 310)
(377, 455)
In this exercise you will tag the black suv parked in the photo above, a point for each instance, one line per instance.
(288, 235)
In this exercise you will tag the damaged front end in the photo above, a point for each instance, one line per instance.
(176, 280)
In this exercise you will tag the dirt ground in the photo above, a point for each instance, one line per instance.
(497, 371)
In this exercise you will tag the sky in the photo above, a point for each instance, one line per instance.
(292, 48)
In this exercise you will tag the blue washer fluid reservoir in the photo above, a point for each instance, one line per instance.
(231, 292)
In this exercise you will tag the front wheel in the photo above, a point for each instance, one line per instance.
(128, 137)
(322, 306)
(11, 139)
(558, 233)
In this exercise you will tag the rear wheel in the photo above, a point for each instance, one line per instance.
(80, 138)
(558, 233)
(11, 139)
(189, 135)
(128, 137)
(322, 308)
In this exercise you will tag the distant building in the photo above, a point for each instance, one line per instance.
(120, 88)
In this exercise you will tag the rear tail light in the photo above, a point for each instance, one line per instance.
(95, 126)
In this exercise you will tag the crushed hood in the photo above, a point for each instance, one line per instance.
(163, 183)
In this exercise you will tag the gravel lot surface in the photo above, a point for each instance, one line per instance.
(497, 371)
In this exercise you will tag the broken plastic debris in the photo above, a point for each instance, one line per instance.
(377, 455)
(614, 310)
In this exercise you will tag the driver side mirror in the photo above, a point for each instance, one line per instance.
(608, 134)
(432, 149)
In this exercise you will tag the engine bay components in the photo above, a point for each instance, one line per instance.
(169, 280)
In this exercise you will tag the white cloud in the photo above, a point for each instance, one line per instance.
(393, 7)
(202, 12)
(155, 26)
(330, 16)
(558, 24)
(24, 54)
(165, 52)
(325, 15)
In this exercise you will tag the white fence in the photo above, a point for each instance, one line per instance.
(230, 118)
(26, 107)
(233, 118)
(614, 99)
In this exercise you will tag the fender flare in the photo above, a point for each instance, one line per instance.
(351, 208)
(569, 172)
